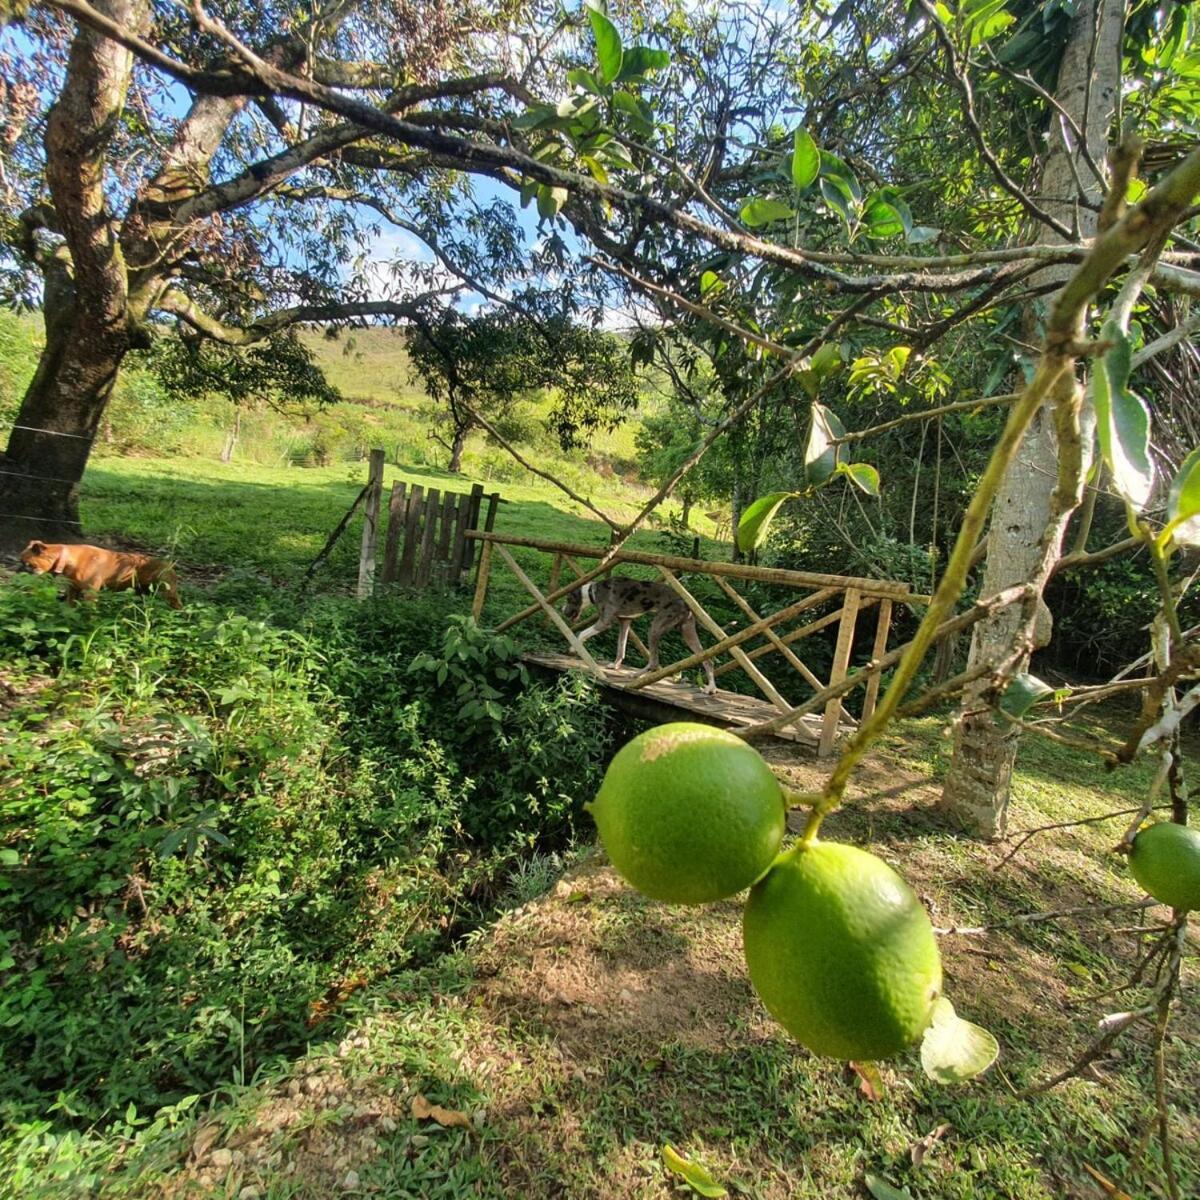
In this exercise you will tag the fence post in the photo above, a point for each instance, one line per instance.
(841, 660)
(366, 560)
(481, 581)
(877, 652)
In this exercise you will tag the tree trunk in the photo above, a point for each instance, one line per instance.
(231, 438)
(89, 327)
(57, 422)
(456, 448)
(686, 512)
(976, 791)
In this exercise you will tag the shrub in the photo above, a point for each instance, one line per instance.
(212, 821)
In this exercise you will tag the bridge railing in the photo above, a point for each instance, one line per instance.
(850, 596)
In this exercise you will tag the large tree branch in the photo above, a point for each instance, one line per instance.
(187, 310)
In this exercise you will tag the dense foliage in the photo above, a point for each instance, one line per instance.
(217, 822)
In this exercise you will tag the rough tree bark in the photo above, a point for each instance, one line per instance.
(976, 791)
(88, 329)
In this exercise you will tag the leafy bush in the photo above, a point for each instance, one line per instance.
(212, 822)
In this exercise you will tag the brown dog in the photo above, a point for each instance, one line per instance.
(91, 569)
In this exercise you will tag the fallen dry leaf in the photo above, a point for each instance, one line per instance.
(870, 1081)
(449, 1117)
(922, 1147)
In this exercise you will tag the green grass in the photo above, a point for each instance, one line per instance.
(584, 1030)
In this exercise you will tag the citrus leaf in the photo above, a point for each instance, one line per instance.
(882, 1190)
(763, 211)
(582, 78)
(862, 475)
(752, 528)
(954, 1050)
(710, 281)
(1183, 501)
(820, 458)
(837, 197)
(806, 159)
(639, 60)
(9, 858)
(550, 200)
(870, 1079)
(1122, 420)
(838, 169)
(692, 1173)
(608, 45)
(1023, 693)
(827, 360)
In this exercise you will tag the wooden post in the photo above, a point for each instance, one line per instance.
(493, 504)
(841, 660)
(551, 612)
(481, 581)
(555, 571)
(432, 508)
(404, 576)
(366, 559)
(391, 549)
(877, 651)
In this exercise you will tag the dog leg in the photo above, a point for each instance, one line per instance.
(688, 632)
(622, 640)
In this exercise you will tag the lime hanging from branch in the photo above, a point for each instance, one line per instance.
(1165, 860)
(688, 813)
(841, 952)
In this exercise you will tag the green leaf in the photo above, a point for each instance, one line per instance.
(882, 1190)
(639, 115)
(827, 360)
(864, 477)
(640, 60)
(820, 458)
(1023, 693)
(595, 168)
(806, 159)
(838, 169)
(1122, 421)
(608, 45)
(763, 211)
(9, 858)
(535, 117)
(692, 1173)
(752, 528)
(887, 215)
(550, 200)
(837, 196)
(954, 1050)
(922, 233)
(710, 281)
(1183, 502)
(585, 79)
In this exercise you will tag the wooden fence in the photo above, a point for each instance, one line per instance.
(847, 598)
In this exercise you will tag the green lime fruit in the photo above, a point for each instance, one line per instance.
(841, 952)
(1165, 860)
(689, 813)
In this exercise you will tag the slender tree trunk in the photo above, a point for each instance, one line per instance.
(976, 791)
(686, 512)
(457, 447)
(231, 439)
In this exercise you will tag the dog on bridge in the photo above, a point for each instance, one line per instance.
(92, 569)
(620, 599)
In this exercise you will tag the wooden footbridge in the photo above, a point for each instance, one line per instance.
(822, 600)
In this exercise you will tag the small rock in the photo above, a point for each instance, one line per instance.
(351, 1180)
(626, 995)
(312, 1085)
(294, 1087)
(221, 1158)
(387, 1124)
(249, 1192)
(239, 1157)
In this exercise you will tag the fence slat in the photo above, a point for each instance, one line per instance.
(841, 660)
(462, 508)
(433, 505)
(366, 559)
(882, 628)
(396, 514)
(472, 523)
(441, 573)
(404, 576)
